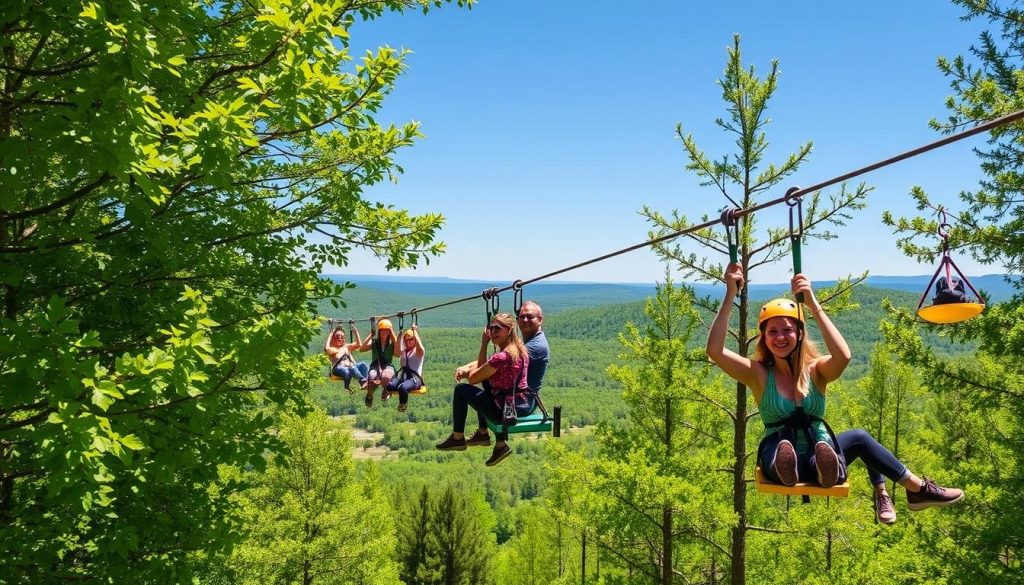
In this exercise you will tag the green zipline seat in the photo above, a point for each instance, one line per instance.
(532, 423)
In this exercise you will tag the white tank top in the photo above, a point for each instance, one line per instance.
(413, 362)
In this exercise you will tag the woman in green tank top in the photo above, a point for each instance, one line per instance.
(789, 379)
(382, 343)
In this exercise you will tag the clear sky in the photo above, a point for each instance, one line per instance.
(550, 123)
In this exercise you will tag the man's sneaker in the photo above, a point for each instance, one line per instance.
(479, 439)
(452, 444)
(932, 494)
(499, 454)
(785, 463)
(827, 463)
(885, 512)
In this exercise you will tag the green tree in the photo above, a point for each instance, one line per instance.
(532, 556)
(981, 401)
(889, 398)
(651, 495)
(412, 537)
(307, 521)
(458, 545)
(742, 178)
(175, 176)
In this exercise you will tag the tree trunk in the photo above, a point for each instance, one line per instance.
(739, 488)
(583, 560)
(666, 511)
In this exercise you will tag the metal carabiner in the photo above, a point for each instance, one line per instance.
(796, 231)
(517, 297)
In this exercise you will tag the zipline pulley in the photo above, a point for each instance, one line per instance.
(950, 303)
(732, 238)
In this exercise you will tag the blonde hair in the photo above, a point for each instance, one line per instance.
(514, 348)
(808, 352)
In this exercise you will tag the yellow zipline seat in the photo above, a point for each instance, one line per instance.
(801, 489)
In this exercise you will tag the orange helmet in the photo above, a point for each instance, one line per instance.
(780, 308)
(385, 324)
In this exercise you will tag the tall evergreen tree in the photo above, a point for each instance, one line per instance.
(651, 498)
(458, 547)
(742, 178)
(412, 537)
(980, 402)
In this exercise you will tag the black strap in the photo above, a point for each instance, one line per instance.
(408, 373)
(801, 421)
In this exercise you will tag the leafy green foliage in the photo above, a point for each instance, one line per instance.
(743, 178)
(175, 177)
(978, 401)
(306, 518)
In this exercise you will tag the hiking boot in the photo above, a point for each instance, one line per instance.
(500, 453)
(885, 511)
(932, 494)
(452, 444)
(827, 463)
(785, 463)
(479, 439)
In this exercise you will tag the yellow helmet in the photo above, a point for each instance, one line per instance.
(409, 334)
(385, 324)
(780, 308)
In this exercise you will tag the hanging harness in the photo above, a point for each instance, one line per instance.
(800, 422)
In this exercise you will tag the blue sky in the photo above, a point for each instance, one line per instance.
(550, 123)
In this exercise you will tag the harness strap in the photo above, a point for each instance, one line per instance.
(408, 373)
(801, 421)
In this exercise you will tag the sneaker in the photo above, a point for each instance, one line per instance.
(827, 463)
(368, 401)
(499, 454)
(402, 407)
(384, 395)
(933, 494)
(785, 463)
(479, 439)
(452, 444)
(885, 511)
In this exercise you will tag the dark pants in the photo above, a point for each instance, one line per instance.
(403, 386)
(856, 444)
(482, 401)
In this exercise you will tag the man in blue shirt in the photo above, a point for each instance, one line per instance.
(530, 320)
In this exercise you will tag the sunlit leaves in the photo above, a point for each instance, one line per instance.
(175, 177)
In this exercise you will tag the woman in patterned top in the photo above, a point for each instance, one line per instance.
(787, 375)
(504, 371)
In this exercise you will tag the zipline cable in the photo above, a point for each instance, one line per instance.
(730, 216)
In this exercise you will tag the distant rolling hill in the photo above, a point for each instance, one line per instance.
(377, 295)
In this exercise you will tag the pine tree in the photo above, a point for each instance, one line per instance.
(458, 548)
(980, 402)
(649, 496)
(412, 537)
(742, 179)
